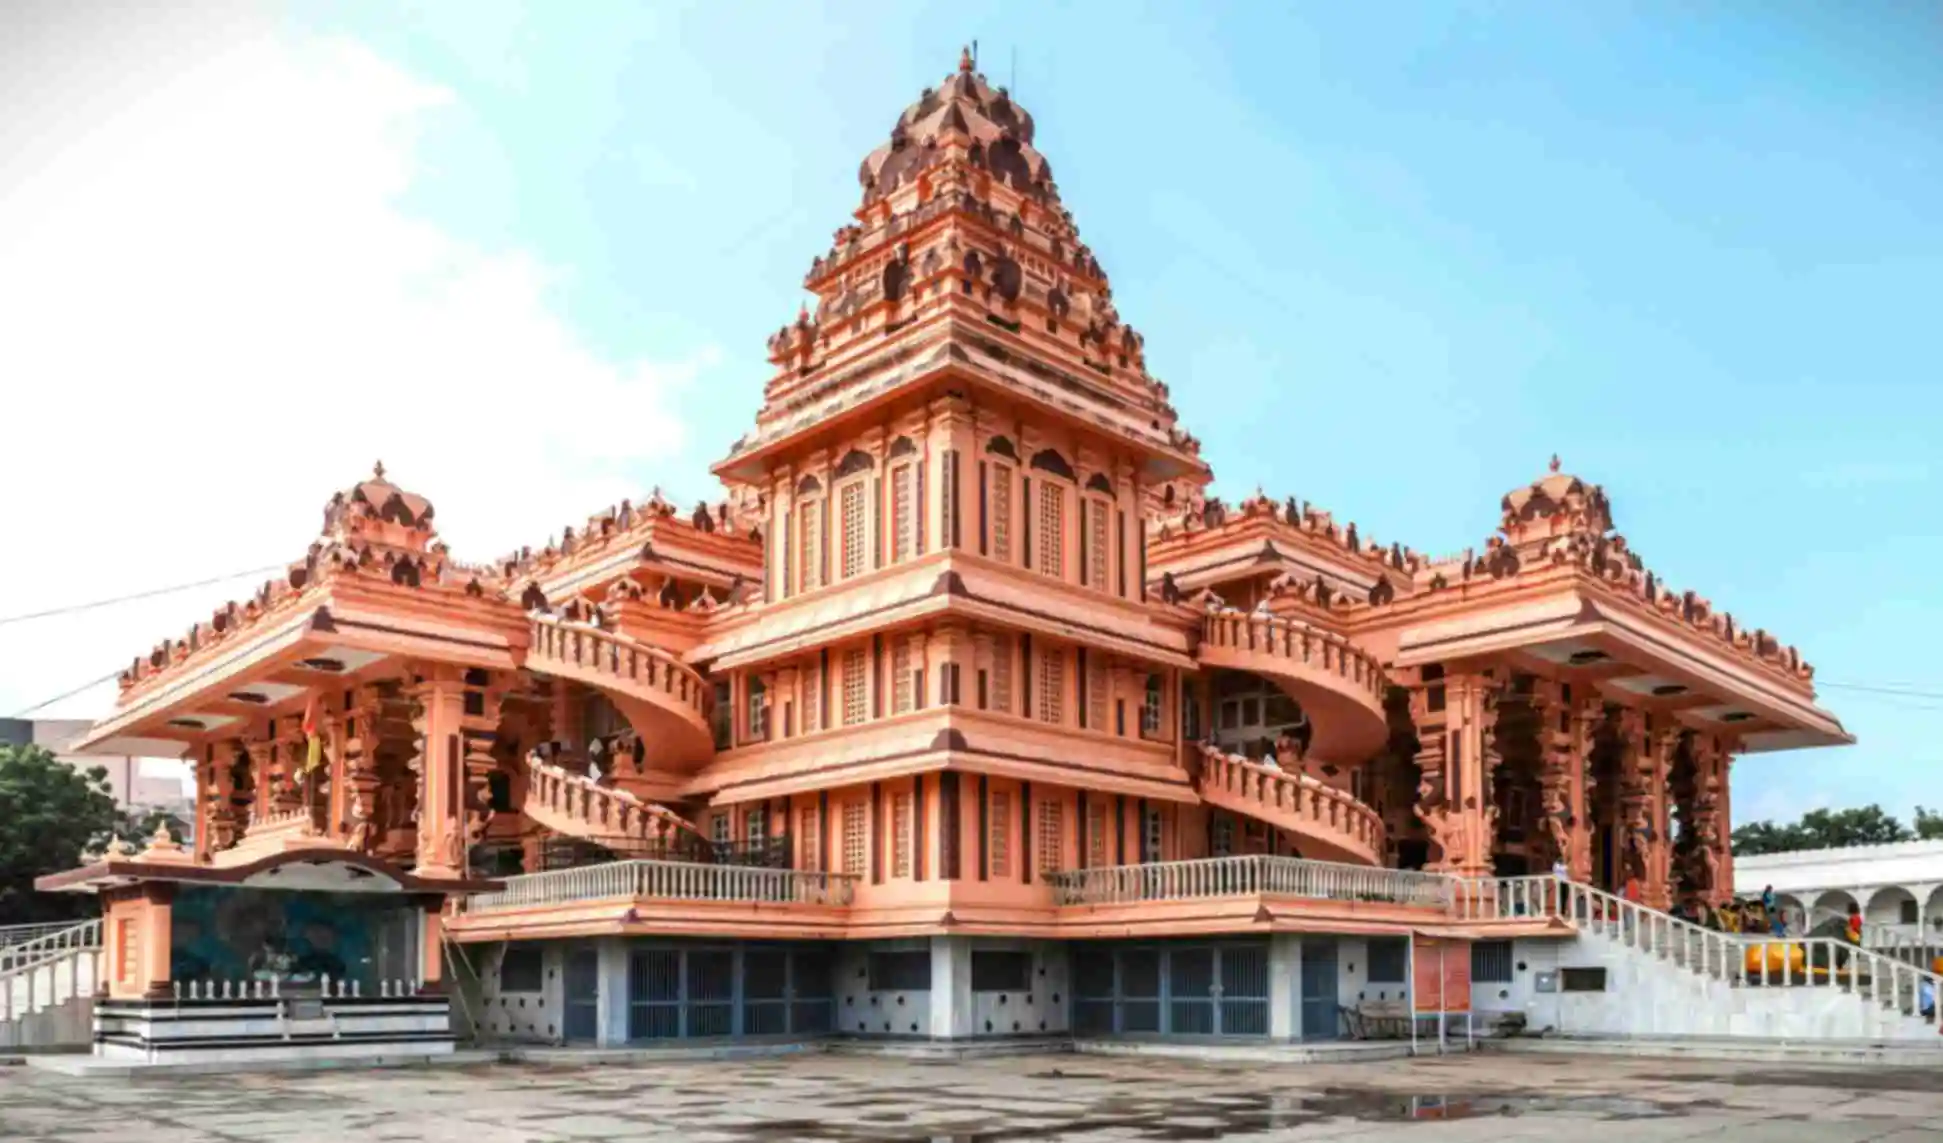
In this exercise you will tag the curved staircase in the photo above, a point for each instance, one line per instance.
(1341, 686)
(664, 699)
(1330, 823)
(578, 806)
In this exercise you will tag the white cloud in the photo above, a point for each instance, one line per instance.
(216, 313)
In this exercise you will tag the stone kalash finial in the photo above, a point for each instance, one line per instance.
(1554, 465)
(965, 59)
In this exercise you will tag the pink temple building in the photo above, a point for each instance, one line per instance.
(965, 712)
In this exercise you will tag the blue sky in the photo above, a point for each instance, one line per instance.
(1389, 258)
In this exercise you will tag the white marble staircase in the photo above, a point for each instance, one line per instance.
(47, 987)
(1669, 977)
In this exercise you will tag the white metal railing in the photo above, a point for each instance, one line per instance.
(11, 935)
(1252, 875)
(49, 970)
(666, 880)
(1739, 959)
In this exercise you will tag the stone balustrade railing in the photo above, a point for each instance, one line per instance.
(561, 797)
(1293, 800)
(1311, 648)
(1252, 875)
(632, 668)
(666, 880)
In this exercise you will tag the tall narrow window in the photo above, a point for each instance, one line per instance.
(811, 531)
(853, 528)
(1050, 697)
(948, 487)
(718, 829)
(901, 834)
(900, 674)
(1154, 833)
(1223, 840)
(1096, 838)
(811, 834)
(1002, 512)
(1150, 708)
(904, 519)
(1052, 836)
(1051, 556)
(810, 701)
(854, 837)
(856, 667)
(1002, 673)
(756, 827)
(758, 709)
(787, 545)
(1096, 549)
(1097, 689)
(999, 848)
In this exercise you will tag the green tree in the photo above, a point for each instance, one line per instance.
(1929, 824)
(1832, 829)
(50, 814)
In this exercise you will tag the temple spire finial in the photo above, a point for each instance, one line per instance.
(1555, 462)
(378, 471)
(965, 58)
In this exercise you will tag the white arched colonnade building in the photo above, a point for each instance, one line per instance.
(1899, 887)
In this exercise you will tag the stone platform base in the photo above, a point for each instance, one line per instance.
(243, 1033)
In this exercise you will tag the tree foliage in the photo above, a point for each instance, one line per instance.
(1834, 829)
(50, 814)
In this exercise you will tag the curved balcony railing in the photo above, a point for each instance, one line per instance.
(668, 881)
(578, 806)
(1295, 802)
(1298, 644)
(1257, 875)
(620, 666)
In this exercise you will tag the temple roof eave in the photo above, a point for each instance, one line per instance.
(1572, 620)
(357, 627)
(367, 874)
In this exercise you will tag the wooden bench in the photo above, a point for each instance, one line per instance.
(1377, 1020)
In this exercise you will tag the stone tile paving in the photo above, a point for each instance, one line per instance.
(850, 1099)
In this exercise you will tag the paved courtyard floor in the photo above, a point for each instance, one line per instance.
(1084, 1098)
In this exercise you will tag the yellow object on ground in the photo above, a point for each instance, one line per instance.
(1780, 958)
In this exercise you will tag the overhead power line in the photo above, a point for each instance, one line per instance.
(151, 594)
(89, 685)
(1877, 689)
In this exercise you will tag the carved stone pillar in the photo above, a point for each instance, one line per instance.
(1558, 819)
(1708, 862)
(1662, 744)
(1636, 768)
(1584, 718)
(1470, 764)
(1724, 828)
(479, 729)
(1436, 806)
(358, 763)
(441, 850)
(220, 791)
